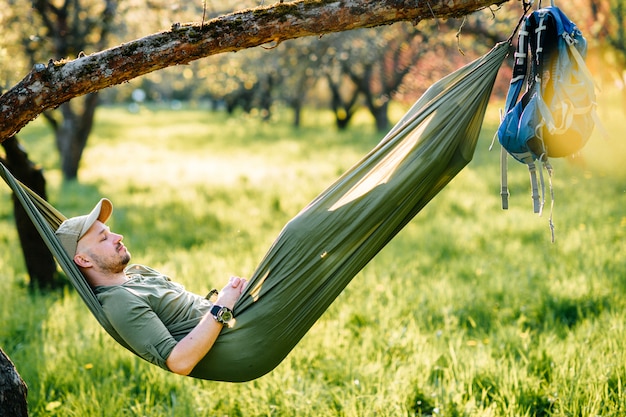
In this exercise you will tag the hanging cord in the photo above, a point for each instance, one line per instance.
(527, 6)
(543, 160)
(532, 172)
(504, 187)
(548, 168)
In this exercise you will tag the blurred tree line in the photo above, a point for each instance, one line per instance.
(342, 72)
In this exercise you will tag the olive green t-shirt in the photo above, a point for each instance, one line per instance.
(151, 312)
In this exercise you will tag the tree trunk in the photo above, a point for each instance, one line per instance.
(265, 90)
(296, 106)
(13, 390)
(39, 261)
(72, 133)
(343, 109)
(381, 116)
(342, 121)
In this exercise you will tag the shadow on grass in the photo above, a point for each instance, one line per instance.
(561, 313)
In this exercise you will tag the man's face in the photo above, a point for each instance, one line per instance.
(103, 249)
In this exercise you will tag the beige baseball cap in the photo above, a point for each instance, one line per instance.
(72, 229)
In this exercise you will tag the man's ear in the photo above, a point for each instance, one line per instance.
(82, 261)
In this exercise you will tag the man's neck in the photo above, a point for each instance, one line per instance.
(98, 278)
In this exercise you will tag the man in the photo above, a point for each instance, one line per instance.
(162, 322)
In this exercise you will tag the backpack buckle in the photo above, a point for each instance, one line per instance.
(569, 39)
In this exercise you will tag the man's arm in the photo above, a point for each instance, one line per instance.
(140, 327)
(193, 347)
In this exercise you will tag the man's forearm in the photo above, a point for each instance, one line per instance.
(193, 347)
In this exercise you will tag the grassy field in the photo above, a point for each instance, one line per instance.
(470, 311)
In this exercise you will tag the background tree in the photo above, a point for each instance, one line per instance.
(66, 30)
(62, 81)
(344, 94)
(300, 66)
(40, 264)
(256, 78)
(377, 62)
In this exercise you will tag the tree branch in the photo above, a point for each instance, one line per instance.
(48, 86)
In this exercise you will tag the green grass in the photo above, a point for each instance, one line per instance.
(470, 311)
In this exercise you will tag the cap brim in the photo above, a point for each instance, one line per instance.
(101, 212)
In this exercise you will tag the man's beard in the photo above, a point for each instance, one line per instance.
(111, 265)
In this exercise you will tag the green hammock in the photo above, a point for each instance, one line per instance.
(321, 249)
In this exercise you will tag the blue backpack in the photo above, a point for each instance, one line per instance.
(555, 115)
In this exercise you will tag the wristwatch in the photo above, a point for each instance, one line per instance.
(222, 314)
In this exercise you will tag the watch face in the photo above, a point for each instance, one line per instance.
(226, 315)
(221, 314)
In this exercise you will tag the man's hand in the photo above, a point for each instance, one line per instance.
(231, 292)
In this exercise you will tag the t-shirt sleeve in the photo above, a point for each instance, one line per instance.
(138, 325)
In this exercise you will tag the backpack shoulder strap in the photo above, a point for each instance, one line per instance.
(520, 68)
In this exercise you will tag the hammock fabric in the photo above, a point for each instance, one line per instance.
(321, 249)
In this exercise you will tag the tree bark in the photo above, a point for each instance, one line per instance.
(48, 86)
(13, 390)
